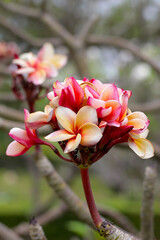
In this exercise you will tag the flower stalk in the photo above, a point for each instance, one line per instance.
(89, 197)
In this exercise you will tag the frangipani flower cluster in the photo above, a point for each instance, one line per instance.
(88, 118)
(37, 68)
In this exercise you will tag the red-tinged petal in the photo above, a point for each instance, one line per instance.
(37, 120)
(66, 117)
(30, 132)
(20, 136)
(103, 112)
(102, 124)
(59, 60)
(114, 124)
(142, 147)
(124, 103)
(95, 103)
(90, 133)
(78, 91)
(72, 144)
(84, 115)
(90, 92)
(37, 77)
(15, 149)
(46, 53)
(59, 135)
(109, 93)
(116, 109)
(120, 92)
(98, 85)
(67, 98)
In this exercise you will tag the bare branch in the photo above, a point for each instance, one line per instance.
(50, 21)
(7, 97)
(125, 44)
(88, 26)
(35, 230)
(120, 219)
(7, 124)
(8, 234)
(11, 113)
(19, 9)
(147, 204)
(22, 34)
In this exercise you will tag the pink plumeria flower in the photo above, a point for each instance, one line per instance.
(80, 128)
(140, 145)
(36, 68)
(24, 140)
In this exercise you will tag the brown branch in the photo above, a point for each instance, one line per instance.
(50, 21)
(120, 219)
(35, 230)
(147, 214)
(11, 113)
(125, 44)
(8, 234)
(7, 124)
(22, 34)
(43, 219)
(7, 97)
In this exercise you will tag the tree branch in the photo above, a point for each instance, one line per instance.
(151, 107)
(147, 227)
(125, 44)
(11, 113)
(22, 34)
(7, 124)
(8, 234)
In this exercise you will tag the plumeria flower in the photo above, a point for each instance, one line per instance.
(24, 140)
(80, 128)
(36, 68)
(140, 145)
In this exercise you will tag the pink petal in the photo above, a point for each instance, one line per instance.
(95, 103)
(98, 85)
(15, 149)
(90, 133)
(72, 144)
(124, 103)
(50, 70)
(116, 109)
(109, 93)
(66, 118)
(25, 70)
(90, 92)
(51, 95)
(20, 136)
(138, 125)
(37, 77)
(139, 115)
(59, 135)
(54, 102)
(46, 53)
(84, 115)
(103, 112)
(67, 98)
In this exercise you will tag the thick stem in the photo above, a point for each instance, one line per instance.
(89, 197)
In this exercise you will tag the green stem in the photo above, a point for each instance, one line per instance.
(89, 197)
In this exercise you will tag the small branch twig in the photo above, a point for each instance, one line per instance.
(147, 226)
(7, 233)
(11, 113)
(147, 107)
(7, 124)
(125, 44)
(35, 230)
